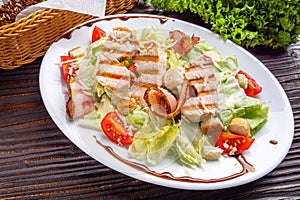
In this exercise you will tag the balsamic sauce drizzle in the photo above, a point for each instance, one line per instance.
(246, 167)
(274, 142)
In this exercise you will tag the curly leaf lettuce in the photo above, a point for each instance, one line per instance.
(176, 5)
(248, 23)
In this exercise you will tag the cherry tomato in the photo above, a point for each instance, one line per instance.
(196, 38)
(67, 68)
(115, 129)
(232, 144)
(98, 33)
(253, 88)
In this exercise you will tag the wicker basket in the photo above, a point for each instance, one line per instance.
(23, 41)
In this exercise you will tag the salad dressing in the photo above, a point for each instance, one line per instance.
(246, 167)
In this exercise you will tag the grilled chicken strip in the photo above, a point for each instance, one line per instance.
(201, 76)
(150, 62)
(121, 45)
(114, 76)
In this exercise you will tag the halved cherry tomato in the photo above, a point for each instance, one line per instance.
(97, 34)
(232, 144)
(196, 38)
(66, 67)
(253, 88)
(115, 129)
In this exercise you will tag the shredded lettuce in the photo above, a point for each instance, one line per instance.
(152, 146)
(185, 152)
(194, 53)
(91, 121)
(86, 74)
(153, 33)
(173, 60)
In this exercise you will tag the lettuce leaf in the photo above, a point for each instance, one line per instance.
(137, 118)
(233, 102)
(170, 5)
(185, 152)
(153, 146)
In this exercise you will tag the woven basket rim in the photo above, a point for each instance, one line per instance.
(15, 52)
(29, 20)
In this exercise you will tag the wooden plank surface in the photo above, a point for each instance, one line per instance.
(37, 161)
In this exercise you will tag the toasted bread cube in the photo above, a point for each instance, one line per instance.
(76, 52)
(239, 126)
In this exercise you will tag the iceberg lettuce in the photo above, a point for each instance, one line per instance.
(152, 146)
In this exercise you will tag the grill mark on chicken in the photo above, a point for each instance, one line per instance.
(113, 70)
(115, 76)
(149, 58)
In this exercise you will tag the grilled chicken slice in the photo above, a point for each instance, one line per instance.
(201, 76)
(114, 76)
(150, 62)
(80, 101)
(183, 44)
(121, 45)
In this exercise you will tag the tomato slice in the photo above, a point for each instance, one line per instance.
(115, 129)
(232, 144)
(66, 67)
(98, 33)
(253, 88)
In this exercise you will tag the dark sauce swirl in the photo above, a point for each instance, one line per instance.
(246, 167)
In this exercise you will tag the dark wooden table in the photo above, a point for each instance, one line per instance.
(39, 162)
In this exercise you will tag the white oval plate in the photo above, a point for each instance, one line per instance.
(263, 155)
